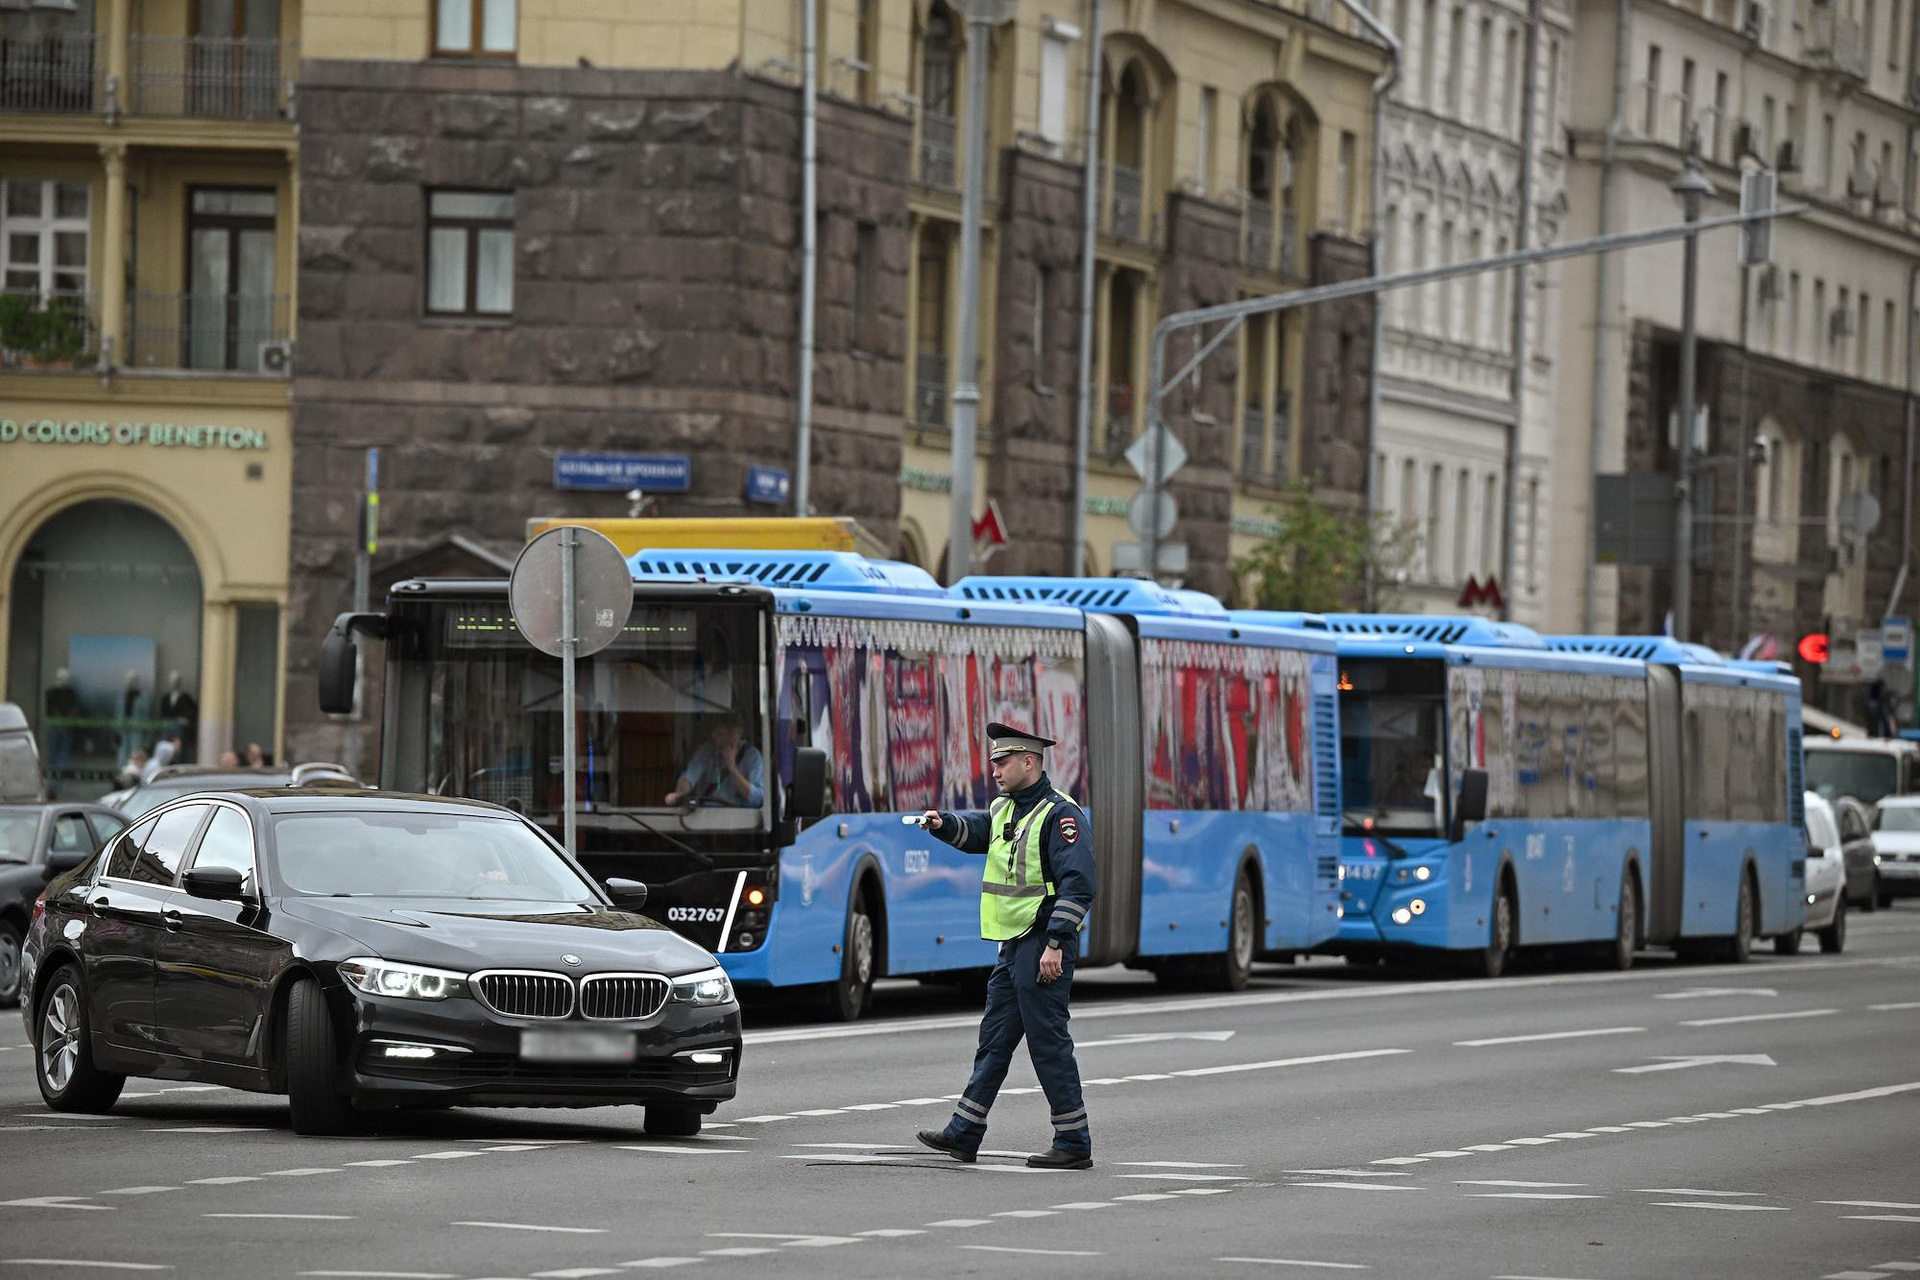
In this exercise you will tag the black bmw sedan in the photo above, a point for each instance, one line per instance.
(359, 950)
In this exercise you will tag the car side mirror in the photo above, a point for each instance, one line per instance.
(630, 894)
(809, 800)
(1815, 851)
(220, 884)
(1470, 805)
(61, 861)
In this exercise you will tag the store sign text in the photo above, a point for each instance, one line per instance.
(164, 435)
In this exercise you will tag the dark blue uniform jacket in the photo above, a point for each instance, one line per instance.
(1066, 854)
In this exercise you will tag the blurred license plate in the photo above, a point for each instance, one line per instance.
(560, 1045)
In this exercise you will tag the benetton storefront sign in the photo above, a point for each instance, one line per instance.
(164, 435)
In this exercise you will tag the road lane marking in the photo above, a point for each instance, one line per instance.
(207, 1128)
(83, 1262)
(1896, 1266)
(1085, 1204)
(54, 1202)
(658, 1264)
(1854, 1275)
(221, 1182)
(1870, 1204)
(1028, 1213)
(1050, 1253)
(1696, 1191)
(384, 1275)
(447, 1155)
(576, 1273)
(1697, 993)
(1893, 1008)
(1490, 1146)
(1530, 1142)
(847, 1157)
(1187, 1177)
(1570, 1137)
(890, 1233)
(136, 1191)
(532, 1226)
(1508, 1182)
(1721, 1204)
(376, 1164)
(1298, 1262)
(297, 1173)
(1347, 1173)
(760, 1119)
(1881, 1217)
(1680, 1062)
(1176, 1164)
(1360, 1186)
(1146, 1195)
(682, 1151)
(1759, 1017)
(296, 1217)
(1443, 1155)
(1402, 1160)
(960, 1222)
(737, 1251)
(1532, 1195)
(1207, 1191)
(1548, 1035)
(1289, 1062)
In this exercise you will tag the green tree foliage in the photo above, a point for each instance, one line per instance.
(1318, 557)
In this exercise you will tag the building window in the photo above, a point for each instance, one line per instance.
(1687, 117)
(1489, 528)
(1793, 315)
(1436, 500)
(1053, 81)
(1462, 526)
(1473, 285)
(1456, 59)
(1860, 339)
(930, 330)
(1553, 96)
(231, 247)
(1512, 73)
(1343, 180)
(43, 236)
(1827, 145)
(1720, 139)
(1817, 349)
(1429, 37)
(1837, 326)
(1889, 326)
(866, 42)
(1651, 125)
(1203, 166)
(1533, 537)
(475, 28)
(470, 253)
(1483, 110)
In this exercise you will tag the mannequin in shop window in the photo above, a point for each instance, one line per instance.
(179, 706)
(62, 713)
(132, 717)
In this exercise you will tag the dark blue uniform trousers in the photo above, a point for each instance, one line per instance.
(1020, 1005)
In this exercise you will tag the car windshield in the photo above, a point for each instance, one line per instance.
(157, 793)
(1899, 817)
(1820, 829)
(18, 828)
(1867, 776)
(388, 854)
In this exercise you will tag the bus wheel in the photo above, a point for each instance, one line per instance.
(1739, 948)
(1491, 961)
(1626, 933)
(847, 998)
(1230, 970)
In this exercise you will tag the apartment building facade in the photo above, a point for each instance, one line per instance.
(147, 210)
(535, 230)
(1803, 360)
(1448, 409)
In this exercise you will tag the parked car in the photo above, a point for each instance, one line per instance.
(1867, 769)
(37, 843)
(177, 780)
(1826, 882)
(357, 950)
(1896, 849)
(1856, 837)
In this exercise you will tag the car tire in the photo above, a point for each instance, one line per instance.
(1882, 898)
(664, 1121)
(63, 1049)
(1626, 928)
(1491, 960)
(1738, 948)
(1788, 944)
(318, 1106)
(850, 994)
(9, 964)
(1233, 968)
(1833, 938)
(1870, 901)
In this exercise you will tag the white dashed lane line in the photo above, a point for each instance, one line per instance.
(1048, 1253)
(294, 1217)
(1870, 1204)
(1720, 1204)
(1298, 1262)
(534, 1226)
(83, 1262)
(1759, 1017)
(1548, 1035)
(383, 1275)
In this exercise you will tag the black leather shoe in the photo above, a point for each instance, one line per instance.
(939, 1141)
(1055, 1158)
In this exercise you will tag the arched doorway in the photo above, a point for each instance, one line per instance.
(104, 648)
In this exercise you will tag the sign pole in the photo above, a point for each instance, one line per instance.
(569, 643)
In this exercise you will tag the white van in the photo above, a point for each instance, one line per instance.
(1868, 769)
(20, 780)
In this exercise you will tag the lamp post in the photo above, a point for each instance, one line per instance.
(1692, 187)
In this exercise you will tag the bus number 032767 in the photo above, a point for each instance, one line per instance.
(695, 915)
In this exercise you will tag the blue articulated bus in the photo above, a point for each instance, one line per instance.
(1501, 790)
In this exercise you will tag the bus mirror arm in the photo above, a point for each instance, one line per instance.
(338, 659)
(1470, 805)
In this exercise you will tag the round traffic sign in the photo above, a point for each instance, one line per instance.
(602, 590)
(1814, 647)
(1149, 519)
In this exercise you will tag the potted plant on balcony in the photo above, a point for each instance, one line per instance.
(52, 335)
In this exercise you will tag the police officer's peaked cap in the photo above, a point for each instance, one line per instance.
(1007, 740)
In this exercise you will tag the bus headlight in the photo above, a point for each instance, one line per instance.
(1418, 906)
(1422, 873)
(1402, 916)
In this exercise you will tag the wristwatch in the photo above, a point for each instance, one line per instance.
(1053, 944)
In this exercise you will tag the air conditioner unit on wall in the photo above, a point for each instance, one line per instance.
(276, 358)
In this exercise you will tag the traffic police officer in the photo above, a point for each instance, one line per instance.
(1034, 896)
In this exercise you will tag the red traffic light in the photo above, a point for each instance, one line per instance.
(1814, 647)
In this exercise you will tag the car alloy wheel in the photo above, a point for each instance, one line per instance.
(9, 965)
(60, 1037)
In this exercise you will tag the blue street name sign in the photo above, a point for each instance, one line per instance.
(768, 484)
(653, 473)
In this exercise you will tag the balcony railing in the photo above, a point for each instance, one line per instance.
(1255, 428)
(53, 73)
(228, 332)
(202, 77)
(930, 389)
(1253, 440)
(210, 78)
(49, 331)
(1118, 432)
(1123, 202)
(1267, 244)
(939, 150)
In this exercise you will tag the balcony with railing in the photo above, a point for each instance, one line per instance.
(217, 332)
(1124, 208)
(1256, 428)
(1267, 241)
(930, 390)
(49, 331)
(195, 77)
(1118, 430)
(939, 158)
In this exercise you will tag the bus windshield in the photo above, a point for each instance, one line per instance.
(672, 723)
(1867, 776)
(1392, 769)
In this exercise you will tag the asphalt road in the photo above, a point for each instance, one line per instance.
(1674, 1121)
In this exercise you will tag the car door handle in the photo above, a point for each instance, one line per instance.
(101, 903)
(172, 919)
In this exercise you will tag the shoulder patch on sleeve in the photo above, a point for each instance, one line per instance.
(1069, 828)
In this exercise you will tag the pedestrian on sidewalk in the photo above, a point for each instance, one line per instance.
(1035, 893)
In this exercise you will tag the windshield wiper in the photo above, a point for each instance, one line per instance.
(1359, 829)
(706, 863)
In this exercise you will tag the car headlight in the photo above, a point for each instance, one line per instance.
(405, 981)
(709, 986)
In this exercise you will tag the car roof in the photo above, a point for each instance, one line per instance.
(290, 800)
(1900, 802)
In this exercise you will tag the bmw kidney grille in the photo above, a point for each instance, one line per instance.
(622, 995)
(526, 994)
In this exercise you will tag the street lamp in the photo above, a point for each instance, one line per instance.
(1692, 187)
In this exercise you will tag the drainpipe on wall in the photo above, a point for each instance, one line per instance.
(1382, 86)
(1089, 273)
(1603, 301)
(809, 252)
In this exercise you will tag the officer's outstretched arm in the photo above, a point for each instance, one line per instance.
(967, 832)
(1069, 851)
